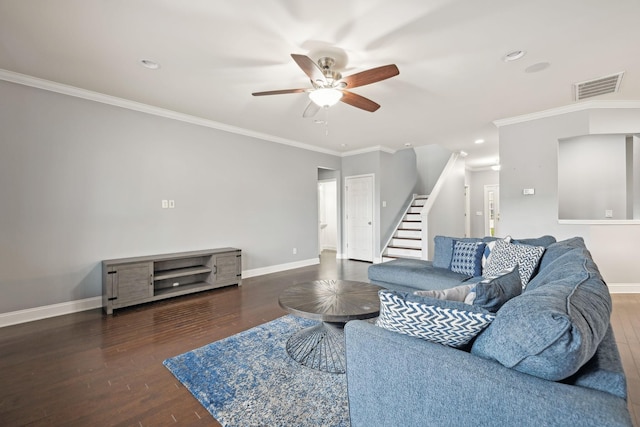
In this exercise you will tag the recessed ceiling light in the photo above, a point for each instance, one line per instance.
(344, 145)
(479, 141)
(463, 153)
(147, 63)
(513, 56)
(408, 144)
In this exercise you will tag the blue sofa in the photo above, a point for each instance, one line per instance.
(549, 357)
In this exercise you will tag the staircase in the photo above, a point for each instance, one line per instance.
(407, 239)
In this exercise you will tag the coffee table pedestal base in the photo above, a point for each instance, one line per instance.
(319, 347)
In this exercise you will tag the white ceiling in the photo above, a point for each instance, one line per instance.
(213, 54)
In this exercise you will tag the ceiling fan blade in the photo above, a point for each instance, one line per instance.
(359, 101)
(311, 110)
(371, 76)
(309, 67)
(279, 92)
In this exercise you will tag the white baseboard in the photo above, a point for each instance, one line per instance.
(281, 267)
(44, 312)
(624, 288)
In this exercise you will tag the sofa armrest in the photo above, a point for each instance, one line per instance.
(394, 379)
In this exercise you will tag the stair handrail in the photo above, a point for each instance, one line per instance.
(437, 188)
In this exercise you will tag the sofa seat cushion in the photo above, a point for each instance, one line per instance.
(445, 322)
(415, 273)
(556, 325)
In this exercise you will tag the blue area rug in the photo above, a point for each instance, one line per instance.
(250, 380)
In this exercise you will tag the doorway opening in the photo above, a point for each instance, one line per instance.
(328, 208)
(491, 210)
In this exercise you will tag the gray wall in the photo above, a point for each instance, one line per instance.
(528, 155)
(430, 160)
(592, 177)
(446, 217)
(82, 181)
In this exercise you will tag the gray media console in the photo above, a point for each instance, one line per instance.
(130, 281)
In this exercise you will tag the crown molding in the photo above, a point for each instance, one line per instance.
(102, 98)
(586, 105)
(369, 150)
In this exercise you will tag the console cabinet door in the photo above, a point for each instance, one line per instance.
(228, 268)
(133, 283)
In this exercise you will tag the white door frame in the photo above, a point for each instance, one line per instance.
(346, 212)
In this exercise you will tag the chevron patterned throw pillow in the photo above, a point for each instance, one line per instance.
(508, 255)
(450, 323)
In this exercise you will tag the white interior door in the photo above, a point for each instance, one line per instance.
(491, 210)
(359, 212)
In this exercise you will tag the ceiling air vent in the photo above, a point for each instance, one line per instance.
(601, 86)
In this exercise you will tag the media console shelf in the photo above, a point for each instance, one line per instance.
(130, 281)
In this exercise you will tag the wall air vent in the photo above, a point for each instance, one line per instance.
(596, 87)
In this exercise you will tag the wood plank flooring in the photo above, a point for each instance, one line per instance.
(88, 369)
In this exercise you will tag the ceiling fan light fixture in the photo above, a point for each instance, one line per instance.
(325, 97)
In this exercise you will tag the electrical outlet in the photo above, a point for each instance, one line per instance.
(295, 251)
(172, 204)
(608, 213)
(165, 204)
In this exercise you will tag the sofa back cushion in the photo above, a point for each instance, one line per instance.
(558, 249)
(556, 325)
(443, 249)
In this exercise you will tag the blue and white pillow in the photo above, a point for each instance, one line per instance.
(508, 255)
(489, 247)
(445, 322)
(492, 293)
(467, 258)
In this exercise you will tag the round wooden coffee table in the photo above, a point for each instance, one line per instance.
(334, 303)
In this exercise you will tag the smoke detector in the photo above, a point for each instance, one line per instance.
(596, 87)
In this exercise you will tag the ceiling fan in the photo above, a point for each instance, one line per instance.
(329, 86)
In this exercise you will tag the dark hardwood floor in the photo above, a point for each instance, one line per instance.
(88, 369)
